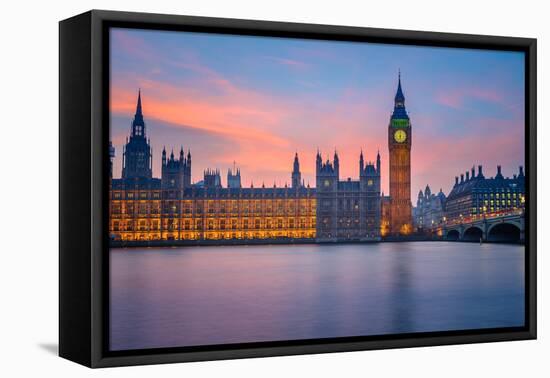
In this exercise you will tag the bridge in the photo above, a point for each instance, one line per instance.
(504, 226)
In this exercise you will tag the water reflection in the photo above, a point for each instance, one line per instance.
(216, 295)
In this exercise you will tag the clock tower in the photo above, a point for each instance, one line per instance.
(399, 143)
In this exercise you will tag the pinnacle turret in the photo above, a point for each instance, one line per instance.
(296, 174)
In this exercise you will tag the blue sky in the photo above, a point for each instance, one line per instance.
(257, 101)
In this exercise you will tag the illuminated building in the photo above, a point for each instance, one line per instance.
(144, 208)
(399, 143)
(384, 215)
(172, 208)
(475, 196)
(172, 211)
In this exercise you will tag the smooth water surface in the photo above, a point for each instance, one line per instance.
(166, 297)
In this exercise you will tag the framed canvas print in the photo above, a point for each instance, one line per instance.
(233, 188)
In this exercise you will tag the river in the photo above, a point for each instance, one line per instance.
(189, 296)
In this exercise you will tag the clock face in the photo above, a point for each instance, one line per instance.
(400, 136)
(327, 183)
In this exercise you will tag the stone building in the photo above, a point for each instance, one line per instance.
(399, 148)
(429, 212)
(145, 208)
(347, 210)
(474, 196)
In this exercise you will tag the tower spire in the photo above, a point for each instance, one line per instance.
(138, 152)
(138, 124)
(399, 96)
(138, 107)
(296, 174)
(361, 164)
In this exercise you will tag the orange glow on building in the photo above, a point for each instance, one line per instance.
(242, 214)
(399, 144)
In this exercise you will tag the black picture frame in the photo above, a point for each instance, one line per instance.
(83, 197)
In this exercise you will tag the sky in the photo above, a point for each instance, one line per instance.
(256, 101)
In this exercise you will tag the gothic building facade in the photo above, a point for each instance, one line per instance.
(137, 161)
(144, 208)
(347, 210)
(172, 207)
(399, 145)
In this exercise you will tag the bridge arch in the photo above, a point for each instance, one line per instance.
(473, 233)
(504, 232)
(452, 235)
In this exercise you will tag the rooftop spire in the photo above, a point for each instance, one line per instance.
(138, 107)
(399, 96)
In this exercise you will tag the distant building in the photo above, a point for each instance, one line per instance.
(430, 209)
(474, 195)
(349, 209)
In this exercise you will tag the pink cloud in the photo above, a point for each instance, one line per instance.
(264, 129)
(438, 163)
(233, 113)
(131, 45)
(456, 98)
